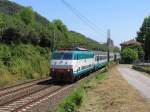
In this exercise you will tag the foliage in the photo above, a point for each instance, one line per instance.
(76, 98)
(129, 55)
(143, 36)
(23, 62)
(27, 15)
(138, 49)
(73, 101)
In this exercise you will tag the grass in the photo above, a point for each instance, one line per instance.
(75, 99)
(22, 62)
(142, 68)
(146, 68)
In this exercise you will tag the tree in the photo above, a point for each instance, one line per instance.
(138, 49)
(143, 36)
(11, 35)
(59, 25)
(27, 15)
(129, 55)
(34, 37)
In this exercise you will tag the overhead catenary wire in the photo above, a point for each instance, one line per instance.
(84, 19)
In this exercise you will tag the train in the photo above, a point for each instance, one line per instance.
(70, 64)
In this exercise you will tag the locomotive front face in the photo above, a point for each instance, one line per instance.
(62, 65)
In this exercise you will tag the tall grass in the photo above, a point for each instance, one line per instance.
(22, 62)
(75, 99)
(71, 103)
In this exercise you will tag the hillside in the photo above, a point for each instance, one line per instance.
(26, 39)
(39, 30)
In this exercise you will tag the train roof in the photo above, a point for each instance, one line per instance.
(73, 51)
(100, 52)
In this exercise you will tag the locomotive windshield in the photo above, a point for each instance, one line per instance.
(64, 56)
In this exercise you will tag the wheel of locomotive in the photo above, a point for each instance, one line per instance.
(73, 80)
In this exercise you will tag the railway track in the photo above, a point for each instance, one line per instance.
(21, 85)
(27, 97)
(12, 98)
(24, 103)
(14, 93)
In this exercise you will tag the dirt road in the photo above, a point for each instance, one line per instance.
(136, 79)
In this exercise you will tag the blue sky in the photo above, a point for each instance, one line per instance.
(122, 17)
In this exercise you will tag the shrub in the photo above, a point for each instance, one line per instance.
(73, 101)
(129, 55)
(23, 61)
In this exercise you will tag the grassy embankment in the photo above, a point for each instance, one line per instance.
(75, 99)
(142, 68)
(19, 63)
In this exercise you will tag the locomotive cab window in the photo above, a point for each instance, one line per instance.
(65, 56)
(56, 56)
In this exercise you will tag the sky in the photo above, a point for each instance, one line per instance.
(122, 17)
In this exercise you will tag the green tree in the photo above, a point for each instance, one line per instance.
(27, 15)
(60, 25)
(138, 49)
(143, 36)
(60, 32)
(129, 55)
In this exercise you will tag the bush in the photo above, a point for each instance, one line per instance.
(24, 61)
(129, 55)
(73, 101)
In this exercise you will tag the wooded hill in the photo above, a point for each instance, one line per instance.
(19, 24)
(26, 39)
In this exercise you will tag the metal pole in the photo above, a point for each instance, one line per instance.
(108, 42)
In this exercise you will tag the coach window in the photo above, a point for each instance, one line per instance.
(75, 56)
(97, 58)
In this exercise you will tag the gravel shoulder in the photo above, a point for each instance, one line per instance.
(114, 94)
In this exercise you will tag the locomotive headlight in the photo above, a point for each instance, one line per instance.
(68, 70)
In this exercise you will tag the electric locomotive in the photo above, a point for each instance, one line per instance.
(68, 65)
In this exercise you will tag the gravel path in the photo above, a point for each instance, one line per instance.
(136, 79)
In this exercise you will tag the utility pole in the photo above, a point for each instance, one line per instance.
(108, 44)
